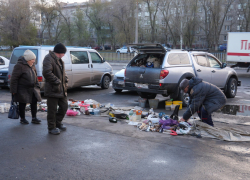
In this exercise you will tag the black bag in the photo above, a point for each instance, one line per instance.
(14, 111)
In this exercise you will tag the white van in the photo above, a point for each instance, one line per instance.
(83, 66)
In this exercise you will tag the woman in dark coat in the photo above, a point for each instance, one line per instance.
(24, 86)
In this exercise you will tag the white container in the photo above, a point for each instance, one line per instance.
(2, 108)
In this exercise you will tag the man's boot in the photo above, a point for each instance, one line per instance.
(36, 121)
(61, 127)
(54, 131)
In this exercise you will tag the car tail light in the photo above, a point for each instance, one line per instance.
(163, 74)
(40, 78)
(8, 76)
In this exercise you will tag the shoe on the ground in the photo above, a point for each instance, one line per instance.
(24, 121)
(61, 127)
(36, 121)
(54, 131)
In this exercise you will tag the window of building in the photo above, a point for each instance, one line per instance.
(163, 23)
(227, 28)
(225, 38)
(146, 14)
(239, 6)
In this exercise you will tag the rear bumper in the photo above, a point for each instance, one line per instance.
(118, 84)
(165, 89)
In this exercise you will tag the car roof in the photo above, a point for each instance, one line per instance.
(52, 47)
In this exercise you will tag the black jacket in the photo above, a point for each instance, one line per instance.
(55, 77)
(24, 82)
(203, 93)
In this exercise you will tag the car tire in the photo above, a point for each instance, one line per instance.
(105, 82)
(184, 97)
(231, 88)
(118, 52)
(118, 90)
(147, 95)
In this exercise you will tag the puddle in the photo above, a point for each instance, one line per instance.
(237, 110)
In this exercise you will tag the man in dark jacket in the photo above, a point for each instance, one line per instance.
(205, 98)
(55, 88)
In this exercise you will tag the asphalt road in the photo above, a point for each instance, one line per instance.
(93, 148)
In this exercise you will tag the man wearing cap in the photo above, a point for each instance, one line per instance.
(55, 88)
(204, 98)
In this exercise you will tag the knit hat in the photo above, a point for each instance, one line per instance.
(60, 48)
(184, 83)
(29, 55)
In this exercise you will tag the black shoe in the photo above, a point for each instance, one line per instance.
(61, 127)
(36, 121)
(54, 131)
(24, 121)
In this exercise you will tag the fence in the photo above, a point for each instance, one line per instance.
(122, 57)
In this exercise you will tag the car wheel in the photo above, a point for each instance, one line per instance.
(118, 90)
(118, 52)
(184, 97)
(105, 82)
(231, 88)
(147, 95)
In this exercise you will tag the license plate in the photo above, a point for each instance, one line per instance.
(1, 81)
(144, 86)
(121, 82)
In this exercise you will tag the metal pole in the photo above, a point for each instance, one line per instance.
(136, 23)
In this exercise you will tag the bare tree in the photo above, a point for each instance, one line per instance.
(152, 9)
(16, 27)
(50, 21)
(245, 17)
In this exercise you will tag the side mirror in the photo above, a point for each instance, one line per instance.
(224, 65)
(103, 60)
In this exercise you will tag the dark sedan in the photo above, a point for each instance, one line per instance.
(4, 78)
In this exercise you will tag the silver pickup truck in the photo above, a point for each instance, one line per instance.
(155, 70)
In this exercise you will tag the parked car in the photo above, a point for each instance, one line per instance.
(4, 62)
(223, 47)
(157, 71)
(118, 81)
(97, 47)
(4, 78)
(2, 48)
(107, 47)
(83, 66)
(125, 50)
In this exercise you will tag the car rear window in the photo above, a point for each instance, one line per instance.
(19, 52)
(178, 59)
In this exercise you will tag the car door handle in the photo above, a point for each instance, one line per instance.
(91, 65)
(213, 71)
(199, 70)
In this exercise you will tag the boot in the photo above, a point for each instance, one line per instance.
(174, 116)
(36, 121)
(54, 131)
(61, 127)
(24, 121)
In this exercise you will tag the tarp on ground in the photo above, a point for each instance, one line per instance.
(225, 133)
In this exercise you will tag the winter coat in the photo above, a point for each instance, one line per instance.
(55, 77)
(24, 82)
(205, 94)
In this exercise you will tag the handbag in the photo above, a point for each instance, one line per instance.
(14, 110)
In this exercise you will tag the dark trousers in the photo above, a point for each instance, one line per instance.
(54, 115)
(204, 116)
(33, 106)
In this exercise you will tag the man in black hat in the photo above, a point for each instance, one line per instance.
(55, 88)
(204, 98)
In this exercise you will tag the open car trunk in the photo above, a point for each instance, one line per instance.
(146, 67)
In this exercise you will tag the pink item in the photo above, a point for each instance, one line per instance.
(71, 113)
(84, 105)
